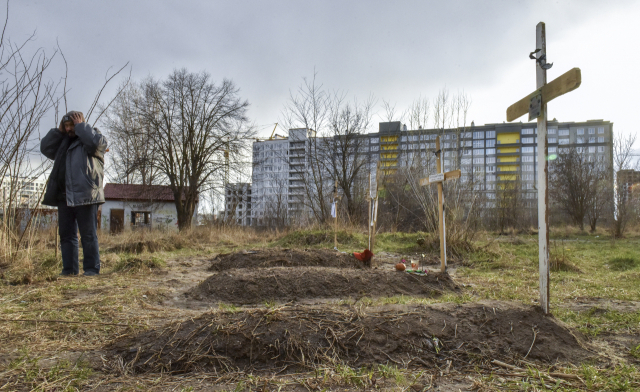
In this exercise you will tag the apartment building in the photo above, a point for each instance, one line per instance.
(21, 192)
(238, 203)
(489, 155)
(628, 183)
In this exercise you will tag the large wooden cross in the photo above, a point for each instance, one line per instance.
(439, 178)
(536, 105)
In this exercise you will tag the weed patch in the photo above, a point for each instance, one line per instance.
(623, 263)
(135, 264)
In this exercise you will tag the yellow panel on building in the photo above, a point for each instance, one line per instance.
(508, 150)
(388, 139)
(507, 177)
(508, 168)
(508, 138)
(507, 159)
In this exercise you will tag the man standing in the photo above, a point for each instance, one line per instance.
(75, 186)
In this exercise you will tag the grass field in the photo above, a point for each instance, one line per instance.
(53, 330)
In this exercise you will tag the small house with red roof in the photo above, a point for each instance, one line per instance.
(134, 206)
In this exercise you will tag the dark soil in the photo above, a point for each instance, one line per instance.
(265, 258)
(251, 286)
(289, 339)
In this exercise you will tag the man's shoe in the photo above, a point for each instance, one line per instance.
(90, 273)
(64, 273)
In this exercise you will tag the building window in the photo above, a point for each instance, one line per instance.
(465, 161)
(478, 144)
(527, 167)
(433, 137)
(600, 148)
(527, 140)
(467, 152)
(580, 140)
(600, 130)
(553, 140)
(601, 139)
(141, 218)
(592, 150)
(478, 152)
(527, 149)
(403, 139)
(551, 131)
(478, 135)
(374, 148)
(490, 134)
(491, 143)
(528, 131)
(563, 141)
(527, 158)
(478, 161)
(592, 131)
(592, 139)
(580, 132)
(553, 149)
(491, 151)
(491, 169)
(374, 140)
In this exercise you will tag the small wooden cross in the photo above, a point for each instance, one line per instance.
(536, 105)
(439, 178)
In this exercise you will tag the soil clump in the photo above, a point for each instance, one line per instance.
(265, 258)
(295, 338)
(251, 286)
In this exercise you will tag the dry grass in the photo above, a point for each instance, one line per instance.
(39, 355)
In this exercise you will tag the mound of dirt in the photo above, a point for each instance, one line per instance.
(295, 338)
(265, 258)
(293, 284)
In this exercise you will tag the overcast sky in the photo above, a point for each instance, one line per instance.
(395, 50)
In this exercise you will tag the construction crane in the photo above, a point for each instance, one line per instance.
(273, 134)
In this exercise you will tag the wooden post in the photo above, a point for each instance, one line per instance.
(335, 220)
(536, 104)
(374, 211)
(543, 194)
(369, 212)
(443, 241)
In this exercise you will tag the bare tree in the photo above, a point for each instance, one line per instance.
(418, 113)
(390, 112)
(577, 181)
(626, 207)
(308, 108)
(346, 148)
(193, 122)
(131, 159)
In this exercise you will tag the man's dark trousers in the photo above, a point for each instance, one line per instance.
(70, 219)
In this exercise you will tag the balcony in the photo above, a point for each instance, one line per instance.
(499, 162)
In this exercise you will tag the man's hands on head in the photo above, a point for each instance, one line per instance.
(77, 118)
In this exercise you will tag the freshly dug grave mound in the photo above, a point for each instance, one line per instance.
(250, 286)
(265, 258)
(298, 338)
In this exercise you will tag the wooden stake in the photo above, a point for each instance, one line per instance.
(374, 207)
(543, 194)
(443, 241)
(369, 210)
(335, 226)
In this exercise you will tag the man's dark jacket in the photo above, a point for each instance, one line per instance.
(84, 165)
